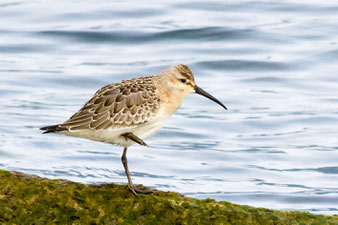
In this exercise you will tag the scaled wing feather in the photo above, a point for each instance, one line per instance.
(128, 103)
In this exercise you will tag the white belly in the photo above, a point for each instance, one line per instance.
(113, 136)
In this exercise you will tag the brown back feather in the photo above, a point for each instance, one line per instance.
(128, 103)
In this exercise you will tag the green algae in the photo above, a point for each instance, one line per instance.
(28, 199)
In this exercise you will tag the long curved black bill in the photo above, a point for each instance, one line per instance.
(200, 91)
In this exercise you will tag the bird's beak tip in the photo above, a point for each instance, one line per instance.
(200, 91)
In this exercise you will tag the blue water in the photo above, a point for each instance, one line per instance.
(272, 63)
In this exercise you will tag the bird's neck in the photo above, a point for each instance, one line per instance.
(170, 97)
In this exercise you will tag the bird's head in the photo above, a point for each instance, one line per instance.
(181, 79)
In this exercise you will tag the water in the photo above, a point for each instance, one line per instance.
(273, 64)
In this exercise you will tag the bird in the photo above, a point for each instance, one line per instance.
(130, 111)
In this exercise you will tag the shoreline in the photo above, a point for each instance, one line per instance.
(32, 199)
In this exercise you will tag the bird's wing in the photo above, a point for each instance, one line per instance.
(125, 104)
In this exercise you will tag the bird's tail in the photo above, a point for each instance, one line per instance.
(53, 129)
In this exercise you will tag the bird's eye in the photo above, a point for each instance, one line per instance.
(183, 80)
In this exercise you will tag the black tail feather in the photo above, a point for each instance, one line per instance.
(53, 129)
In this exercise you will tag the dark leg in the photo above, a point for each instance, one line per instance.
(133, 137)
(130, 183)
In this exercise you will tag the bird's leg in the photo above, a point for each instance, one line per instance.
(134, 138)
(130, 183)
(125, 165)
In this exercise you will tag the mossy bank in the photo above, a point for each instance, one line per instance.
(27, 199)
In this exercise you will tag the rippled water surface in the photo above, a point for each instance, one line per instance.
(272, 63)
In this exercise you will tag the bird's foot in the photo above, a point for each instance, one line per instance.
(136, 190)
(144, 190)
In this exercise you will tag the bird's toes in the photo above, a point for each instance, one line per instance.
(144, 190)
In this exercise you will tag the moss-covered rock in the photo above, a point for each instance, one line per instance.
(28, 199)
